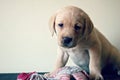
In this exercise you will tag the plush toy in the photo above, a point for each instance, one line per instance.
(65, 73)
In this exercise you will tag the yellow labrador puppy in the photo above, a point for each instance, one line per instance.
(82, 42)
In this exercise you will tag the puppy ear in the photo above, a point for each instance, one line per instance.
(52, 24)
(88, 25)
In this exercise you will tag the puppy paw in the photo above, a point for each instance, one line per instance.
(118, 72)
(47, 74)
(96, 77)
(51, 74)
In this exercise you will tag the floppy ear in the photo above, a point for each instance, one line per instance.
(52, 24)
(88, 25)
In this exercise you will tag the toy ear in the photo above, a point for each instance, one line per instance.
(52, 24)
(88, 26)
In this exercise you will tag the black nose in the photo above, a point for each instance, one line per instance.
(66, 40)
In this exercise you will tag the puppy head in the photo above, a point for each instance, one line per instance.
(71, 24)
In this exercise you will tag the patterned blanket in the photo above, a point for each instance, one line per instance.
(65, 73)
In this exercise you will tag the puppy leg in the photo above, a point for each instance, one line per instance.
(61, 61)
(95, 63)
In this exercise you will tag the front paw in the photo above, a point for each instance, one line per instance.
(118, 73)
(96, 77)
(50, 74)
(47, 74)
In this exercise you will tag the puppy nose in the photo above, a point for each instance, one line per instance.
(66, 40)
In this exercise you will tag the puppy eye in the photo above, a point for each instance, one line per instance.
(60, 24)
(77, 27)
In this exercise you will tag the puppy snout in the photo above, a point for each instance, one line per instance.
(67, 40)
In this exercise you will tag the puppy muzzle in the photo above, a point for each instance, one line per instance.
(67, 41)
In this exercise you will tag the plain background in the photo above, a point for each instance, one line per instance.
(26, 43)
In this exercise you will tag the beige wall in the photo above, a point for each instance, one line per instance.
(25, 41)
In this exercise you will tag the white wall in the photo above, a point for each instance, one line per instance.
(25, 41)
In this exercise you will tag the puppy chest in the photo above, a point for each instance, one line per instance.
(80, 58)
